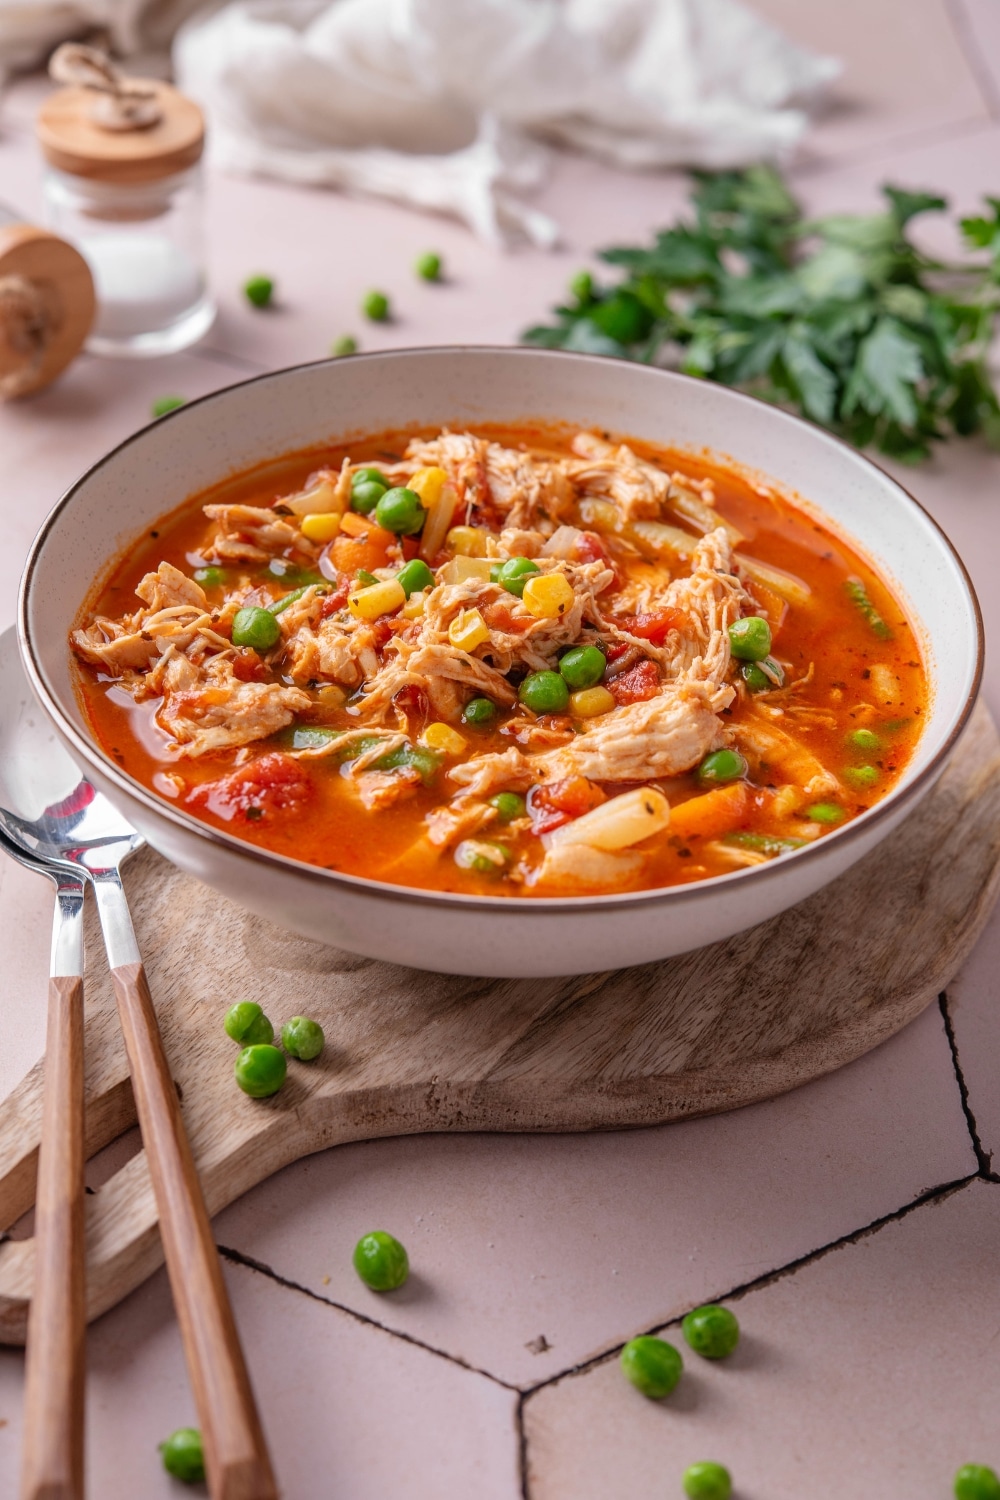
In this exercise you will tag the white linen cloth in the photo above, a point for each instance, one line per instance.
(443, 104)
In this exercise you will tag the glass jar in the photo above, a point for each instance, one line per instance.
(130, 200)
(143, 243)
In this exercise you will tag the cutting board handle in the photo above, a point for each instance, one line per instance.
(236, 1455)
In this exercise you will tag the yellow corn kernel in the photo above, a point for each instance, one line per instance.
(461, 569)
(548, 595)
(376, 600)
(320, 527)
(428, 483)
(618, 823)
(442, 737)
(330, 695)
(589, 702)
(468, 630)
(466, 541)
(414, 606)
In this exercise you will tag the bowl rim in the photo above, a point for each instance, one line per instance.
(899, 799)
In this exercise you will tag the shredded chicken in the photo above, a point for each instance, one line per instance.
(251, 533)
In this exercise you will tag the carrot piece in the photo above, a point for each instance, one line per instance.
(367, 550)
(711, 814)
(353, 524)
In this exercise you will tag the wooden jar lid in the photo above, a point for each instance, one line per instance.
(74, 142)
(47, 306)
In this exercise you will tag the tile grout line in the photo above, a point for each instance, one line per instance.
(522, 1450)
(914, 140)
(983, 1157)
(237, 1258)
(969, 46)
(768, 1278)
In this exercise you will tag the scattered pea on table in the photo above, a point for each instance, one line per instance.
(259, 291)
(381, 1261)
(183, 1455)
(711, 1331)
(429, 266)
(164, 404)
(977, 1482)
(247, 1024)
(652, 1365)
(302, 1038)
(707, 1481)
(375, 306)
(260, 1070)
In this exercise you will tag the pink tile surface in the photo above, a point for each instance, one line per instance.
(870, 1372)
(347, 1410)
(586, 1240)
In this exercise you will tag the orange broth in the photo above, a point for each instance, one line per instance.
(830, 636)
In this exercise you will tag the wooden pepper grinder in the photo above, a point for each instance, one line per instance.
(47, 305)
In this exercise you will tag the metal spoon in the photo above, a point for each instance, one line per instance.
(57, 818)
(52, 1455)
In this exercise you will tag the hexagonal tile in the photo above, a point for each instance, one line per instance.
(870, 1371)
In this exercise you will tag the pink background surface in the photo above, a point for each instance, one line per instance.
(855, 1222)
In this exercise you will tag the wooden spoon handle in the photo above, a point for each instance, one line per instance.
(52, 1461)
(236, 1457)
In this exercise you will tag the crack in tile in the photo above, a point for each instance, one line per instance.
(769, 1278)
(238, 1258)
(983, 1157)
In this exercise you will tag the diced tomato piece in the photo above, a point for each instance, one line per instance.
(591, 548)
(654, 627)
(615, 649)
(638, 683)
(382, 631)
(271, 783)
(500, 616)
(248, 667)
(558, 802)
(410, 546)
(333, 603)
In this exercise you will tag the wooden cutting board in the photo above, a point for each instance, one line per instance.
(409, 1052)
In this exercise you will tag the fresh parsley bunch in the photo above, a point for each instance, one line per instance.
(842, 318)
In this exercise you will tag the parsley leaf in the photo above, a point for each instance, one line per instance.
(842, 318)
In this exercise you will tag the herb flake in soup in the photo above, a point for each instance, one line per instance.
(505, 662)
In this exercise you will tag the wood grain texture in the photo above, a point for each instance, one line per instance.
(52, 1450)
(409, 1052)
(236, 1457)
(62, 275)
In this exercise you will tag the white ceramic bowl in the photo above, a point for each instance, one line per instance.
(150, 474)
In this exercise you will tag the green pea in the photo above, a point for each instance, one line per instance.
(707, 1482)
(721, 766)
(711, 1331)
(514, 573)
(400, 510)
(581, 286)
(247, 1024)
(368, 475)
(482, 857)
(259, 290)
(479, 711)
(365, 497)
(260, 1070)
(509, 806)
(343, 346)
(583, 667)
(757, 679)
(257, 628)
(302, 1038)
(164, 404)
(210, 578)
(375, 306)
(428, 266)
(381, 1261)
(544, 693)
(750, 639)
(824, 812)
(183, 1455)
(865, 740)
(977, 1482)
(652, 1365)
(862, 776)
(414, 577)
